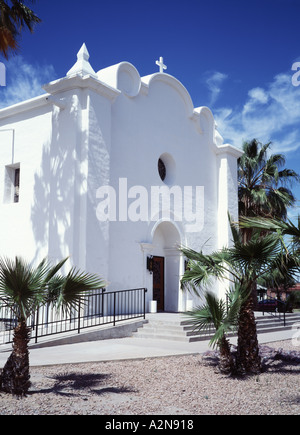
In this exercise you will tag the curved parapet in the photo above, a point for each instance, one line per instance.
(206, 121)
(208, 126)
(125, 78)
(122, 76)
(148, 81)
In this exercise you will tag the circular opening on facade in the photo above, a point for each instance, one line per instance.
(167, 168)
(162, 169)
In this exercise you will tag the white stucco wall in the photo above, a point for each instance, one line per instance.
(93, 131)
(29, 134)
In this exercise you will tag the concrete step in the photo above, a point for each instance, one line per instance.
(148, 329)
(162, 337)
(264, 324)
(164, 331)
(181, 330)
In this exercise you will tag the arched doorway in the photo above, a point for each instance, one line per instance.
(167, 267)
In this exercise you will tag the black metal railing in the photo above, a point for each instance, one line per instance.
(94, 309)
(273, 306)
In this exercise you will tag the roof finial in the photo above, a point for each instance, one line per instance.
(82, 66)
(83, 53)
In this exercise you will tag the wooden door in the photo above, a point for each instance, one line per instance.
(159, 282)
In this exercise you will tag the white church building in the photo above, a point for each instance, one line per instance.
(116, 171)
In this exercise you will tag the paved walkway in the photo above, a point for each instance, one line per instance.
(124, 348)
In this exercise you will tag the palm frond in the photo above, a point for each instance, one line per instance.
(19, 285)
(257, 252)
(215, 312)
(202, 269)
(263, 183)
(269, 224)
(12, 21)
(70, 290)
(24, 287)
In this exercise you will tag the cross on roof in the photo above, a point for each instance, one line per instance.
(161, 65)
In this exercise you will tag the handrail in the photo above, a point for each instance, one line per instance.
(278, 301)
(94, 309)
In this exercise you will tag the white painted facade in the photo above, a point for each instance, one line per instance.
(109, 128)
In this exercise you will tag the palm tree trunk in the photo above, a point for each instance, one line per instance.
(15, 375)
(248, 358)
(226, 364)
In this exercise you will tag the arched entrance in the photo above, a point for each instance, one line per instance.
(167, 267)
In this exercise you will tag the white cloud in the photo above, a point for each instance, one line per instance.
(24, 81)
(290, 142)
(259, 95)
(256, 96)
(214, 81)
(271, 114)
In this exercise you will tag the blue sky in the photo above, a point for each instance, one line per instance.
(234, 56)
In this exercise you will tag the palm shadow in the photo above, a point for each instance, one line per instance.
(71, 384)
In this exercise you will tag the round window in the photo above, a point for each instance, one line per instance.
(166, 168)
(161, 169)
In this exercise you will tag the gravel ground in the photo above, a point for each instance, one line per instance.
(184, 385)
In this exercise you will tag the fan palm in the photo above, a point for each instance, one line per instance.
(13, 18)
(263, 184)
(23, 289)
(243, 264)
(224, 318)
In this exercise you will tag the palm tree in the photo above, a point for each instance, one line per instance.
(224, 318)
(13, 18)
(23, 289)
(263, 184)
(243, 264)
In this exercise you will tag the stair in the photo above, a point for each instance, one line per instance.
(167, 326)
(161, 328)
(269, 323)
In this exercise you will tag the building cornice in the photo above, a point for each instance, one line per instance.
(229, 149)
(24, 106)
(82, 82)
(59, 86)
